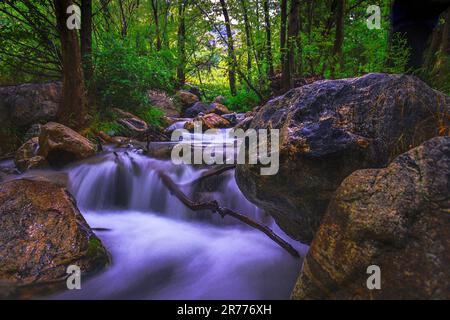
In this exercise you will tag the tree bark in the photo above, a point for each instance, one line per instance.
(293, 29)
(283, 25)
(86, 37)
(247, 37)
(339, 38)
(181, 68)
(231, 53)
(72, 110)
(268, 38)
(156, 18)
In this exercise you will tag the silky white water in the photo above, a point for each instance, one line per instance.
(162, 250)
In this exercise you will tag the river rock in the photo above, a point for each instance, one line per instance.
(195, 110)
(397, 218)
(186, 99)
(42, 233)
(60, 145)
(219, 109)
(27, 104)
(330, 129)
(132, 124)
(27, 157)
(209, 121)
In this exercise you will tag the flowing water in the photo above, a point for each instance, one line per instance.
(162, 250)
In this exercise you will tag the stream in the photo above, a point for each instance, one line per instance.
(160, 249)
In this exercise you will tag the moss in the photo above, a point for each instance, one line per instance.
(95, 247)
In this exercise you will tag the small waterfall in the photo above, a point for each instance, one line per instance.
(162, 250)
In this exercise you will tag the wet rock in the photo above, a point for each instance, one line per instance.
(218, 109)
(195, 110)
(396, 218)
(42, 233)
(60, 145)
(234, 118)
(27, 157)
(330, 129)
(186, 99)
(209, 121)
(27, 104)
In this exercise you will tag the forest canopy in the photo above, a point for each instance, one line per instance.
(247, 50)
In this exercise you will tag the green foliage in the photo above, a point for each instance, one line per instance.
(151, 115)
(122, 76)
(244, 101)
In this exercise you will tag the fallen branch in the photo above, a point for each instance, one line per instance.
(211, 173)
(215, 208)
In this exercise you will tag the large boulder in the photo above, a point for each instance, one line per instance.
(398, 219)
(60, 145)
(219, 109)
(42, 233)
(330, 129)
(209, 121)
(27, 157)
(26, 104)
(186, 99)
(195, 110)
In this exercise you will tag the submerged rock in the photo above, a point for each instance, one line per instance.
(396, 218)
(60, 145)
(330, 129)
(42, 233)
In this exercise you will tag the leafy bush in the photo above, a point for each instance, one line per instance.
(244, 101)
(151, 115)
(122, 76)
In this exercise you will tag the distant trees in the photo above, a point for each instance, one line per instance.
(230, 49)
(253, 48)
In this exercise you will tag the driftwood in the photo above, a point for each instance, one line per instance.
(215, 208)
(211, 173)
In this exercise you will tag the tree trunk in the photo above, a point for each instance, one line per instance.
(268, 38)
(231, 54)
(339, 38)
(293, 29)
(156, 18)
(283, 24)
(86, 37)
(247, 37)
(72, 110)
(181, 69)
(123, 20)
